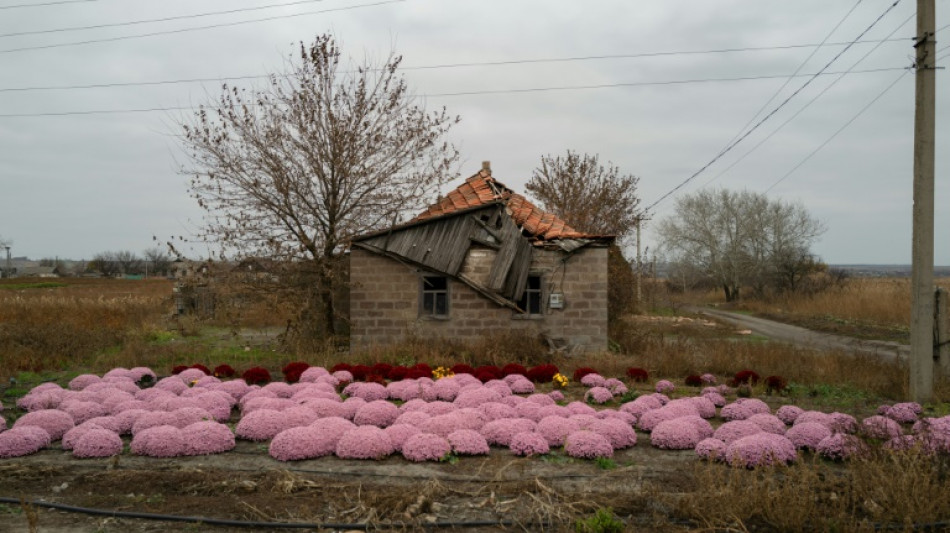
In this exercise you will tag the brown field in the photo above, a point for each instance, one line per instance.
(57, 332)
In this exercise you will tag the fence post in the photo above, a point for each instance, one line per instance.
(942, 332)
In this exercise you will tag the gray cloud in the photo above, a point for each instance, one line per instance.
(76, 185)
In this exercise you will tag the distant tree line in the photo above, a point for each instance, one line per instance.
(154, 261)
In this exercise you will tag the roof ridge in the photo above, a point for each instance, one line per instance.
(482, 189)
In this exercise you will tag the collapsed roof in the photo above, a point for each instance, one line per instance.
(480, 211)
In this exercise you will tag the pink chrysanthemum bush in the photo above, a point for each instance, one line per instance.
(587, 445)
(598, 395)
(903, 413)
(761, 449)
(768, 423)
(675, 434)
(788, 413)
(56, 423)
(364, 442)
(529, 443)
(295, 444)
(593, 380)
(468, 442)
(159, 441)
(262, 424)
(880, 427)
(23, 440)
(664, 386)
(840, 447)
(399, 433)
(426, 447)
(710, 449)
(97, 443)
(378, 413)
(500, 432)
(934, 434)
(207, 437)
(735, 430)
(620, 434)
(555, 429)
(807, 435)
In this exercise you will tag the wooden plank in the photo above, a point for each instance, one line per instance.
(510, 240)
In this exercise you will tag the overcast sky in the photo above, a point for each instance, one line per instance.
(77, 183)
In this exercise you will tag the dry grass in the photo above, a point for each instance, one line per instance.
(870, 307)
(886, 490)
(51, 328)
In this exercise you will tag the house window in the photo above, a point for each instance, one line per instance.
(531, 299)
(435, 296)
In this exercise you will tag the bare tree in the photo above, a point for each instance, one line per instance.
(738, 239)
(128, 262)
(293, 170)
(589, 196)
(157, 261)
(105, 263)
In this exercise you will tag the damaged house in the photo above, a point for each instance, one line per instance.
(481, 260)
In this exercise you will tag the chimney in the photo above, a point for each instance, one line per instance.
(486, 166)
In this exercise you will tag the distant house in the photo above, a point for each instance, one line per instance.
(38, 272)
(482, 260)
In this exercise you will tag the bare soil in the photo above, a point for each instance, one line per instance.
(246, 484)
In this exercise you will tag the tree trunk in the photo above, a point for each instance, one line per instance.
(326, 296)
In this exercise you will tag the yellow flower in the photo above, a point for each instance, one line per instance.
(560, 380)
(442, 372)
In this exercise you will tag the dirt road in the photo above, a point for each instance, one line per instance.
(788, 333)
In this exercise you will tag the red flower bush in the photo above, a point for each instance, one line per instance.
(749, 377)
(224, 371)
(381, 369)
(293, 371)
(583, 371)
(638, 374)
(341, 366)
(488, 370)
(360, 372)
(416, 373)
(514, 368)
(202, 368)
(256, 376)
(375, 378)
(463, 368)
(397, 373)
(693, 380)
(775, 384)
(178, 369)
(542, 373)
(424, 368)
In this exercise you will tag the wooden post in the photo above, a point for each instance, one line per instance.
(639, 271)
(922, 248)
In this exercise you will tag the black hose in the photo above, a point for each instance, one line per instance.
(244, 523)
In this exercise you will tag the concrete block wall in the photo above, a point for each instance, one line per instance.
(384, 301)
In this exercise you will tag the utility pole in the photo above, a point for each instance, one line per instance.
(922, 286)
(639, 269)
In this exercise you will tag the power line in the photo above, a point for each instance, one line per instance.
(771, 114)
(196, 28)
(449, 65)
(804, 107)
(149, 21)
(835, 134)
(16, 6)
(790, 78)
(469, 93)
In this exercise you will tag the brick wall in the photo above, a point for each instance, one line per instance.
(384, 301)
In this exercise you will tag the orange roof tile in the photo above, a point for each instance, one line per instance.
(483, 189)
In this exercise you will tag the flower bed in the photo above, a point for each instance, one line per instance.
(318, 412)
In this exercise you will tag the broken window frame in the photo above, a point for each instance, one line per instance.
(435, 292)
(526, 300)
